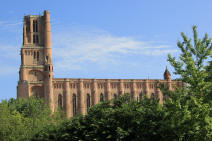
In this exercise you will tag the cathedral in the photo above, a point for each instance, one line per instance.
(36, 77)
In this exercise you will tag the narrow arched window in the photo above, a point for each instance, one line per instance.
(74, 100)
(140, 96)
(101, 97)
(34, 55)
(35, 39)
(88, 101)
(115, 96)
(60, 101)
(38, 56)
(35, 26)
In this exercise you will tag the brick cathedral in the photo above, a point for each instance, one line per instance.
(36, 77)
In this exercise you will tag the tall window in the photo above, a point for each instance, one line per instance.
(38, 56)
(60, 101)
(140, 96)
(115, 96)
(101, 97)
(35, 26)
(35, 39)
(34, 55)
(74, 100)
(88, 101)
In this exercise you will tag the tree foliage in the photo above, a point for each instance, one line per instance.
(110, 120)
(191, 65)
(21, 119)
(180, 118)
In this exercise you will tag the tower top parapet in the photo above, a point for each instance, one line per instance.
(37, 30)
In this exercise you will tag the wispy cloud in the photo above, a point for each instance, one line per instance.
(9, 58)
(8, 70)
(9, 24)
(9, 51)
(73, 48)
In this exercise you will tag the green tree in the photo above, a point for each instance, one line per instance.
(209, 71)
(187, 117)
(12, 125)
(129, 120)
(191, 65)
(182, 117)
(21, 119)
(190, 109)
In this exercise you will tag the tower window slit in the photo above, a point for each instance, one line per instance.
(35, 26)
(35, 39)
(34, 55)
(37, 56)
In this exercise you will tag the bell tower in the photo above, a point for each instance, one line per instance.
(36, 69)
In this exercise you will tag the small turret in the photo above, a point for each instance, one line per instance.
(48, 86)
(47, 38)
(167, 75)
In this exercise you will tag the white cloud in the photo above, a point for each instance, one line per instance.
(9, 58)
(9, 23)
(8, 70)
(9, 51)
(73, 48)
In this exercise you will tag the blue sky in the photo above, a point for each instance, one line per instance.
(102, 38)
